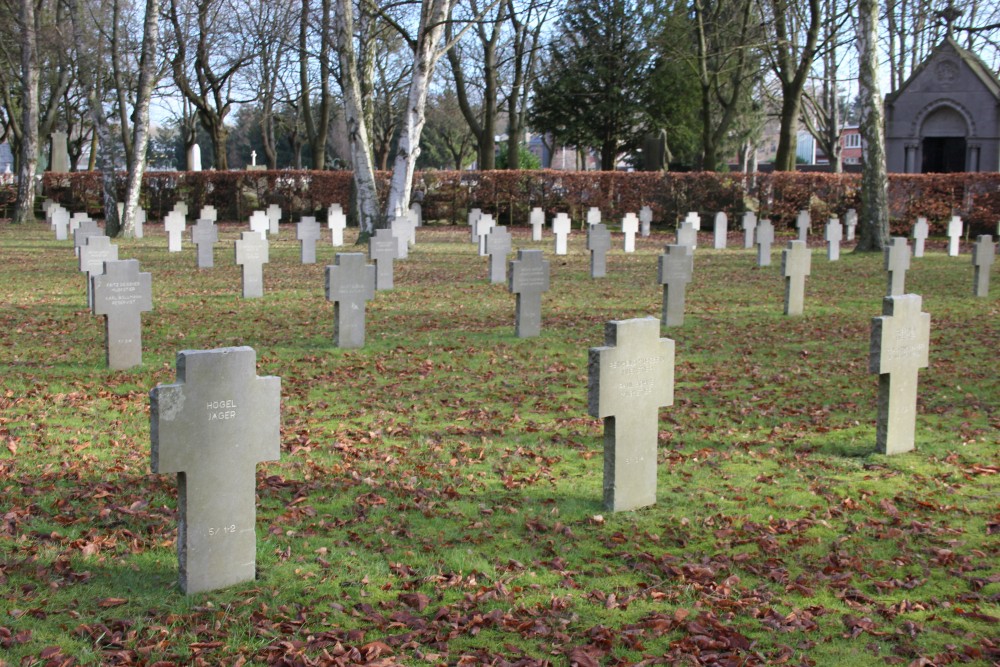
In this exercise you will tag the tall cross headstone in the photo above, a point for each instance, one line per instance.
(336, 221)
(350, 283)
(93, 254)
(273, 219)
(796, 263)
(749, 226)
(383, 248)
(77, 219)
(850, 223)
(687, 235)
(721, 230)
(474, 215)
(920, 232)
(498, 244)
(982, 258)
(695, 219)
(802, 222)
(834, 235)
(598, 243)
(204, 235)
(481, 228)
(174, 224)
(212, 428)
(208, 212)
(307, 232)
(593, 215)
(898, 348)
(60, 222)
(954, 235)
(630, 227)
(121, 294)
(765, 237)
(561, 229)
(528, 278)
(897, 260)
(537, 220)
(405, 229)
(252, 255)
(630, 379)
(645, 221)
(84, 230)
(676, 267)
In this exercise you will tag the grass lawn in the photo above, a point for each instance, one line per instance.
(438, 497)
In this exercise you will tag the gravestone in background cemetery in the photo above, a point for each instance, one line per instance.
(208, 213)
(687, 235)
(252, 255)
(528, 278)
(60, 222)
(850, 223)
(259, 223)
(84, 230)
(676, 267)
(417, 213)
(593, 215)
(383, 248)
(77, 219)
(896, 257)
(834, 235)
(954, 235)
(174, 224)
(920, 231)
(898, 348)
(212, 428)
(765, 237)
(537, 220)
(307, 231)
(93, 254)
(630, 227)
(561, 229)
(182, 208)
(982, 259)
(721, 230)
(60, 153)
(598, 243)
(273, 219)
(204, 235)
(803, 222)
(630, 379)
(404, 229)
(695, 219)
(498, 244)
(337, 222)
(796, 262)
(121, 295)
(482, 226)
(749, 226)
(474, 215)
(645, 221)
(350, 283)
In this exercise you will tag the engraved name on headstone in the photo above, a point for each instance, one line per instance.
(350, 283)
(598, 243)
(676, 267)
(252, 255)
(121, 294)
(528, 278)
(796, 263)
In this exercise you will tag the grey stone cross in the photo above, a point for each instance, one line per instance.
(537, 220)
(97, 250)
(350, 283)
(802, 222)
(383, 248)
(982, 258)
(307, 232)
(204, 235)
(630, 227)
(897, 260)
(765, 237)
(252, 255)
(598, 243)
(561, 228)
(749, 225)
(174, 224)
(84, 230)
(528, 278)
(498, 244)
(834, 235)
(121, 294)
(796, 263)
(920, 232)
(676, 267)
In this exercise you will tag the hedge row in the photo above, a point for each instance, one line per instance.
(446, 196)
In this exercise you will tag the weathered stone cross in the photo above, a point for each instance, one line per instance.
(252, 255)
(598, 243)
(676, 267)
(121, 294)
(204, 235)
(982, 258)
(897, 261)
(498, 244)
(528, 278)
(383, 249)
(350, 282)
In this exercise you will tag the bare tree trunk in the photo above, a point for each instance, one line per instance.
(874, 219)
(24, 207)
(140, 115)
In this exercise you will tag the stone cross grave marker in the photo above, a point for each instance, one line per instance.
(174, 224)
(474, 215)
(630, 379)
(721, 230)
(593, 215)
(834, 235)
(383, 248)
(498, 244)
(60, 222)
(898, 348)
(598, 243)
(337, 222)
(749, 226)
(482, 226)
(405, 230)
(77, 219)
(765, 237)
(796, 262)
(850, 223)
(982, 258)
(954, 235)
(687, 235)
(204, 235)
(919, 233)
(307, 231)
(528, 278)
(252, 255)
(350, 282)
(695, 219)
(182, 208)
(802, 222)
(121, 294)
(676, 267)
(896, 257)
(630, 227)
(84, 230)
(417, 213)
(212, 428)
(209, 213)
(561, 229)
(259, 223)
(97, 250)
(645, 221)
(273, 218)
(537, 220)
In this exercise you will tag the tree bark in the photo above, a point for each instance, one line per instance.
(792, 70)
(24, 207)
(140, 115)
(874, 217)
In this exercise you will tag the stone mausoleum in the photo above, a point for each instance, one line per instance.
(946, 116)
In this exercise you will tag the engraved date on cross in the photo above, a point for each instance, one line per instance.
(225, 530)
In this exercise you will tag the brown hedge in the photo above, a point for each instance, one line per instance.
(446, 196)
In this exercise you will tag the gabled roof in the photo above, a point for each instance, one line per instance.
(987, 76)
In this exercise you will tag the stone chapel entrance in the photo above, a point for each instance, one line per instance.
(943, 155)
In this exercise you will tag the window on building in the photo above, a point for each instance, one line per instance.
(852, 141)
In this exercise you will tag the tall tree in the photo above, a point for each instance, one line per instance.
(822, 103)
(24, 207)
(874, 218)
(316, 103)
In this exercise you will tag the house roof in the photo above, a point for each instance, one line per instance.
(980, 69)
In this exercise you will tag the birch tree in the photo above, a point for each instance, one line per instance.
(24, 207)
(874, 218)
